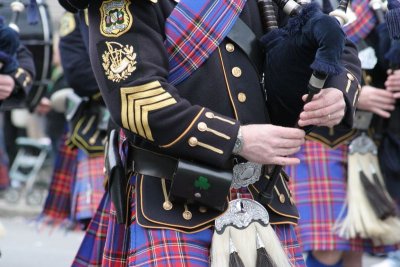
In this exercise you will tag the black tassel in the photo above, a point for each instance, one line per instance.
(263, 258)
(390, 203)
(376, 198)
(234, 258)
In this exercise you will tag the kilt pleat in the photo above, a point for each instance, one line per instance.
(91, 250)
(319, 187)
(4, 177)
(57, 206)
(88, 186)
(139, 246)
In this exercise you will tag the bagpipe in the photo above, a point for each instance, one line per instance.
(369, 211)
(310, 45)
(31, 20)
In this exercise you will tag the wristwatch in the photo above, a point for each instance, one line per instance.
(238, 143)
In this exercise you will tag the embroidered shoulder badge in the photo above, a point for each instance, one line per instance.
(119, 61)
(116, 18)
(67, 24)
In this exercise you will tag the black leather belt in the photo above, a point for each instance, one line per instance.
(190, 181)
(245, 38)
(152, 164)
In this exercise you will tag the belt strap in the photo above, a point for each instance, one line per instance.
(245, 38)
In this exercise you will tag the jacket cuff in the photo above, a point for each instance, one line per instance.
(210, 138)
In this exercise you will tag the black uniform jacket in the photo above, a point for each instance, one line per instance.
(75, 57)
(198, 119)
(23, 77)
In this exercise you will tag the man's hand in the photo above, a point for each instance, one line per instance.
(270, 144)
(325, 109)
(393, 83)
(44, 106)
(378, 101)
(6, 86)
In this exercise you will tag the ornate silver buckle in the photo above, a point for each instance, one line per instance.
(245, 174)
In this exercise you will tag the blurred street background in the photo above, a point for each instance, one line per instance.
(24, 241)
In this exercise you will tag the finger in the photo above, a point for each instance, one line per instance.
(381, 112)
(393, 84)
(315, 97)
(287, 151)
(387, 107)
(323, 112)
(290, 133)
(382, 93)
(283, 161)
(396, 95)
(379, 100)
(333, 120)
(290, 143)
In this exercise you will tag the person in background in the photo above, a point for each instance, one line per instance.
(319, 183)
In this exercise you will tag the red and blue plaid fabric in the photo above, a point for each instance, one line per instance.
(117, 242)
(58, 203)
(88, 187)
(91, 250)
(4, 178)
(364, 23)
(138, 246)
(194, 30)
(319, 188)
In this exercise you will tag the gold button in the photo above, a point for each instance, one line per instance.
(368, 79)
(167, 205)
(230, 47)
(202, 209)
(210, 115)
(193, 141)
(350, 76)
(202, 126)
(282, 198)
(237, 72)
(242, 97)
(187, 215)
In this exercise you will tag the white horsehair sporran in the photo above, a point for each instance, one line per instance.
(243, 236)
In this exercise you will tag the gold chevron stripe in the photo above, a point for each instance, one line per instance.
(138, 101)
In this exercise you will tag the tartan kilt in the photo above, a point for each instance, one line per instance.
(138, 246)
(90, 252)
(58, 202)
(88, 186)
(4, 177)
(319, 187)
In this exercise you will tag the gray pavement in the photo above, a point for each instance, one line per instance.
(25, 245)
